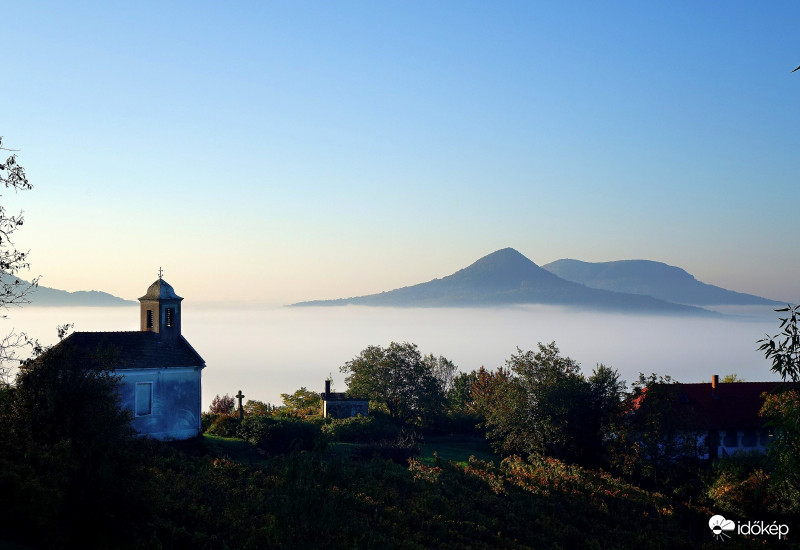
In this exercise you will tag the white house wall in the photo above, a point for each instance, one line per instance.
(175, 406)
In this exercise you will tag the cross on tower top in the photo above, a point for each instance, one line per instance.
(160, 272)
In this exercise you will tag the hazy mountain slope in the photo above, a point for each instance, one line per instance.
(650, 278)
(507, 277)
(43, 296)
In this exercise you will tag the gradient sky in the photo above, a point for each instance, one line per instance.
(283, 151)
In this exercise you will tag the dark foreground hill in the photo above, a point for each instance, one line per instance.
(43, 296)
(649, 278)
(507, 277)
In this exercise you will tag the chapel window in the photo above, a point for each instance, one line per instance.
(149, 318)
(170, 315)
(144, 399)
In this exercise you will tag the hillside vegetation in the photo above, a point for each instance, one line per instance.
(73, 474)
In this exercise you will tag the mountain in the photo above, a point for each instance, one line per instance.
(507, 277)
(649, 278)
(43, 296)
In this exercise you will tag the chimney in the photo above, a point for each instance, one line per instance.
(327, 388)
(714, 385)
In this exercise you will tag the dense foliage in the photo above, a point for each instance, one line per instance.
(301, 403)
(540, 403)
(73, 474)
(221, 404)
(399, 380)
(69, 463)
(782, 411)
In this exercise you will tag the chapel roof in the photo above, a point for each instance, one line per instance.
(730, 405)
(137, 349)
(160, 290)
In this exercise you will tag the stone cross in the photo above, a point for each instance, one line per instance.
(240, 396)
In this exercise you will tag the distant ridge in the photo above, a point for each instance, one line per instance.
(650, 278)
(506, 277)
(43, 296)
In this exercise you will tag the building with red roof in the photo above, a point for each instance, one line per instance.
(729, 413)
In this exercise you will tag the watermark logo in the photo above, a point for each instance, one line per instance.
(720, 527)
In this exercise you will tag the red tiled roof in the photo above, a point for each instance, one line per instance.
(138, 349)
(731, 405)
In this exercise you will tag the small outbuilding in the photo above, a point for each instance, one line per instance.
(339, 405)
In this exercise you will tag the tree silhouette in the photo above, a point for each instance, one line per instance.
(13, 291)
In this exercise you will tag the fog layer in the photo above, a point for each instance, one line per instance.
(266, 352)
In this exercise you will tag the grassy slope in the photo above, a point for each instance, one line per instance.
(456, 449)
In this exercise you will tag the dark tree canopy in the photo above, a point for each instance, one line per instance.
(69, 450)
(659, 433)
(540, 403)
(782, 410)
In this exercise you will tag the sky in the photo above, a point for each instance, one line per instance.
(274, 152)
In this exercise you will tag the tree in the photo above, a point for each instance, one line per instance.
(784, 348)
(659, 431)
(782, 413)
(398, 380)
(540, 403)
(258, 408)
(606, 394)
(459, 396)
(301, 403)
(443, 370)
(732, 379)
(782, 410)
(221, 404)
(557, 396)
(13, 291)
(69, 451)
(501, 400)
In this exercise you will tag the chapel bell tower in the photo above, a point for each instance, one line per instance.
(161, 310)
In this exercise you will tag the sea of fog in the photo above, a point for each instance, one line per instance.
(266, 352)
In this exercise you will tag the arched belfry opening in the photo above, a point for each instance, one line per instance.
(161, 310)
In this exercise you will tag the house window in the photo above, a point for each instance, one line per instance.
(149, 318)
(170, 315)
(144, 398)
(749, 438)
(731, 439)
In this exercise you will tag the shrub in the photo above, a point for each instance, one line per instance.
(399, 450)
(281, 435)
(360, 429)
(740, 485)
(225, 425)
(206, 420)
(458, 422)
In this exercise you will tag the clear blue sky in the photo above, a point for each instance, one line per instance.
(283, 151)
